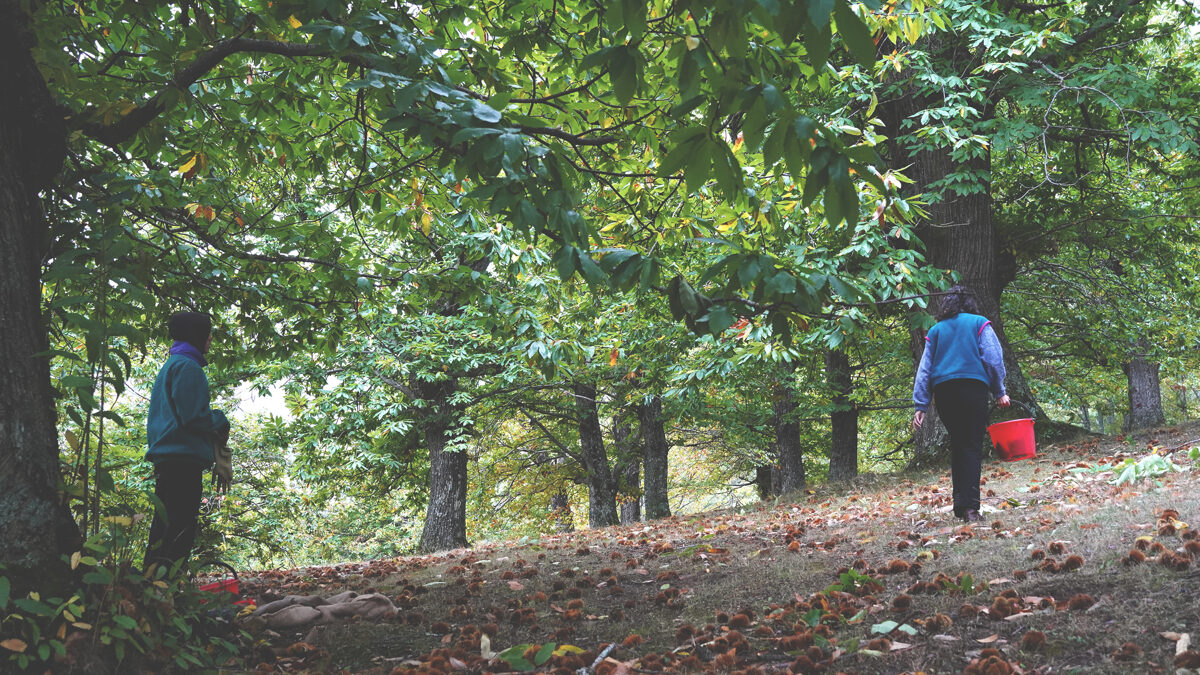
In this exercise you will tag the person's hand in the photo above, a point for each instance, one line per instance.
(919, 418)
(1003, 401)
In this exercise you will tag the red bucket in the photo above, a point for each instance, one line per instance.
(1013, 439)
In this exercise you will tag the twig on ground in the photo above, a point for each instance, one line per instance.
(603, 655)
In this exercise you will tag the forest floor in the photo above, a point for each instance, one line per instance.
(1066, 573)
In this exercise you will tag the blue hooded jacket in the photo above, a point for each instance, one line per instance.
(181, 424)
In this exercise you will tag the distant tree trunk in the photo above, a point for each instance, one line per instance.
(36, 528)
(1145, 396)
(931, 443)
(446, 516)
(843, 453)
(560, 507)
(631, 503)
(1086, 415)
(654, 441)
(768, 479)
(629, 472)
(602, 492)
(787, 433)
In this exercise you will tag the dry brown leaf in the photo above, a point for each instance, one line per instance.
(1170, 636)
(14, 645)
(989, 639)
(1019, 615)
(1182, 644)
(945, 638)
(897, 646)
(516, 585)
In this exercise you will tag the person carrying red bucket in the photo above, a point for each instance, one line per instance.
(961, 362)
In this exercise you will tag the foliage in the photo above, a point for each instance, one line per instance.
(118, 617)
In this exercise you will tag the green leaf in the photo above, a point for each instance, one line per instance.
(125, 621)
(719, 319)
(622, 72)
(819, 11)
(855, 33)
(544, 653)
(884, 627)
(819, 41)
(485, 113)
(5, 589)
(566, 261)
(513, 655)
(590, 270)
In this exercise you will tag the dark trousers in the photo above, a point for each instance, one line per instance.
(963, 407)
(178, 485)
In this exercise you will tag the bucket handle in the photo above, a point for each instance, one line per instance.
(1027, 409)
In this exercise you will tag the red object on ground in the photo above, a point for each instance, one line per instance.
(1013, 439)
(226, 586)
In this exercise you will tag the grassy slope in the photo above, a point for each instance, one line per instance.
(681, 584)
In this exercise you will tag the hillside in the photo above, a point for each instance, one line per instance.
(1068, 572)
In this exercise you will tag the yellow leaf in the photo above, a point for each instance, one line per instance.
(567, 649)
(75, 559)
(691, 42)
(81, 625)
(123, 521)
(189, 164)
(612, 358)
(426, 221)
(62, 631)
(14, 645)
(294, 22)
(72, 440)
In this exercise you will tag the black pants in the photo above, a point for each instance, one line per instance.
(963, 407)
(178, 485)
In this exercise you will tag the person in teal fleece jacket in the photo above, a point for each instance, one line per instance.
(961, 363)
(181, 428)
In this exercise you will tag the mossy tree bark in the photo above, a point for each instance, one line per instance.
(36, 528)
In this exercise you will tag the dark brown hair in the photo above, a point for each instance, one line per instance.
(957, 299)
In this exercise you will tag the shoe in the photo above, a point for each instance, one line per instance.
(972, 516)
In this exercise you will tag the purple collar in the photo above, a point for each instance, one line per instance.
(189, 350)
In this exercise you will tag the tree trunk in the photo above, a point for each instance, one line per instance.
(1145, 397)
(560, 507)
(787, 433)
(629, 473)
(631, 502)
(768, 479)
(654, 442)
(843, 452)
(931, 443)
(602, 493)
(446, 515)
(959, 234)
(1087, 417)
(35, 526)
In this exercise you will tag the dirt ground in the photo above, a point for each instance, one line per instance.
(1066, 573)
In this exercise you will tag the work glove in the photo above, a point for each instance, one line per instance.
(223, 468)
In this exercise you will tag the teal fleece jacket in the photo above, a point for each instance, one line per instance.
(187, 430)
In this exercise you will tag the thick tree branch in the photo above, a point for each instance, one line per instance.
(128, 125)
